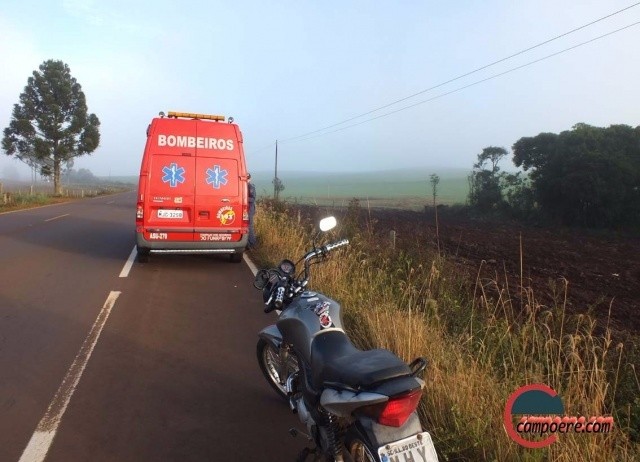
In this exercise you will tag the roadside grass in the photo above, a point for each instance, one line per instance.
(25, 201)
(480, 342)
(12, 201)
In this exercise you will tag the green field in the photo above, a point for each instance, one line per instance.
(393, 188)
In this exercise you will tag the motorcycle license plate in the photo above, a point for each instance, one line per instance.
(418, 448)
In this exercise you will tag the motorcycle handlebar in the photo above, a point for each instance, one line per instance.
(321, 252)
(279, 297)
(276, 300)
(335, 245)
(324, 250)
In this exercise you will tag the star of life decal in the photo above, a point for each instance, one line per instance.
(173, 175)
(217, 176)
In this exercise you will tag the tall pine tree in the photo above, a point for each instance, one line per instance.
(51, 125)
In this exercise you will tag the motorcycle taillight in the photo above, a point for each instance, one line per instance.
(396, 411)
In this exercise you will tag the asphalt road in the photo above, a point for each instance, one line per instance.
(158, 365)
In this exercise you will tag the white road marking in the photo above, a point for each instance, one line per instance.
(59, 216)
(127, 266)
(112, 202)
(45, 432)
(252, 267)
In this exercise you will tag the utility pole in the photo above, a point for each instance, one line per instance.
(275, 180)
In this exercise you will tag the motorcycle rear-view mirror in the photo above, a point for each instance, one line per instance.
(328, 223)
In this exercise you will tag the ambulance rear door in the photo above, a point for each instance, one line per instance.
(170, 204)
(218, 198)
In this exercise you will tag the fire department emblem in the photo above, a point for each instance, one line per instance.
(226, 215)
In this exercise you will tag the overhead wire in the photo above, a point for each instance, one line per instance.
(469, 85)
(261, 149)
(305, 135)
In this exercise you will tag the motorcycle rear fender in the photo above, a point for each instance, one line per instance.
(272, 335)
(343, 402)
(398, 386)
(379, 435)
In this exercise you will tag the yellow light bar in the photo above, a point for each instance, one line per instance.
(190, 115)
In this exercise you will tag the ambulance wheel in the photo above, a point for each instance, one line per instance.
(236, 257)
(143, 255)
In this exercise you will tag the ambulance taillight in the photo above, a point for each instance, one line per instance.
(245, 215)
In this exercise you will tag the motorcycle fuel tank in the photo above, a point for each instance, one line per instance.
(305, 317)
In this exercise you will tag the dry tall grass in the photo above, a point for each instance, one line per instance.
(480, 348)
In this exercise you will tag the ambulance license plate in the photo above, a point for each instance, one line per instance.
(418, 448)
(170, 214)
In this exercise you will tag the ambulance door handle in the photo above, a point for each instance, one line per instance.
(226, 200)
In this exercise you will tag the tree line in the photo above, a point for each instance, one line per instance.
(587, 176)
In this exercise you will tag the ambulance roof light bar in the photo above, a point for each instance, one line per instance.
(191, 115)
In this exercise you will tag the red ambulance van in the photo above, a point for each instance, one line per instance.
(192, 195)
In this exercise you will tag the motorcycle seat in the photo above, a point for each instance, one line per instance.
(335, 359)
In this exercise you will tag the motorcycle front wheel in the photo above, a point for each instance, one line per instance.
(273, 368)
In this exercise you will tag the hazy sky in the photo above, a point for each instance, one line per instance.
(287, 68)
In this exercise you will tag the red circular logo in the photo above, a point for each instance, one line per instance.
(530, 399)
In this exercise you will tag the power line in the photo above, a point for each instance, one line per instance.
(472, 84)
(460, 76)
(270, 145)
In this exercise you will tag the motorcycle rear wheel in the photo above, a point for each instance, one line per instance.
(271, 364)
(358, 447)
(360, 452)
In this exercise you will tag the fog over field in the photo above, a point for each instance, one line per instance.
(374, 185)
(339, 187)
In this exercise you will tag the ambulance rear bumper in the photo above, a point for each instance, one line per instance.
(192, 246)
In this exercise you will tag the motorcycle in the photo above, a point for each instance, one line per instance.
(357, 406)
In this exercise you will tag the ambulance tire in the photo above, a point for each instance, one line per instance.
(143, 254)
(236, 257)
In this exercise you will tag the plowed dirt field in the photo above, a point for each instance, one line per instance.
(602, 268)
